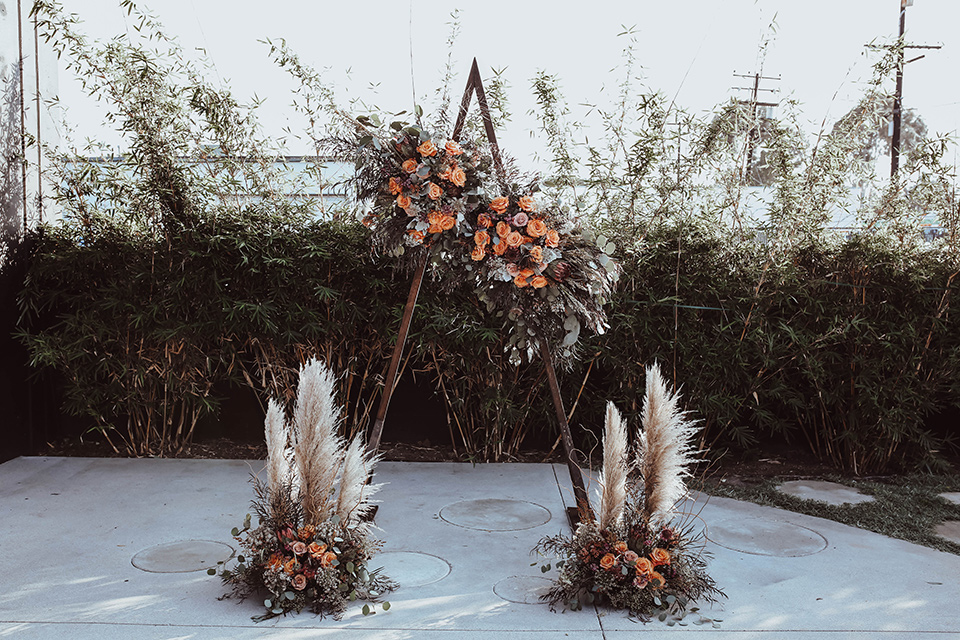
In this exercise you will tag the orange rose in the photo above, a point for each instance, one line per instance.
(520, 281)
(416, 235)
(306, 532)
(427, 149)
(500, 248)
(656, 581)
(328, 559)
(435, 218)
(290, 566)
(536, 228)
(275, 562)
(434, 191)
(536, 254)
(644, 567)
(500, 204)
(527, 203)
(608, 562)
(395, 186)
(368, 220)
(447, 223)
(458, 176)
(478, 253)
(620, 546)
(502, 229)
(514, 239)
(483, 220)
(659, 557)
(553, 238)
(404, 201)
(538, 282)
(316, 549)
(409, 165)
(453, 148)
(526, 273)
(445, 174)
(481, 238)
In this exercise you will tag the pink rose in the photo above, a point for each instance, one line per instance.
(299, 582)
(521, 219)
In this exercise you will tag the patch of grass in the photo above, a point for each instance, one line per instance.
(904, 507)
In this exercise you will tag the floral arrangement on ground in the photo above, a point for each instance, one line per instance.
(636, 556)
(524, 258)
(312, 546)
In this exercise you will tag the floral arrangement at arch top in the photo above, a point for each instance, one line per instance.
(312, 546)
(635, 556)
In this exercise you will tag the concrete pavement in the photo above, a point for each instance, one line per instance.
(116, 548)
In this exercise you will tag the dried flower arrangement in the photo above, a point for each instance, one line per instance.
(312, 545)
(633, 556)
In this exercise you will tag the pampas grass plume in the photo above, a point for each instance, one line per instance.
(613, 479)
(277, 436)
(665, 449)
(353, 502)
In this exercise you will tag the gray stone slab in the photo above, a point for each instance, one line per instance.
(829, 492)
(182, 556)
(949, 530)
(953, 497)
(523, 589)
(413, 568)
(495, 514)
(767, 538)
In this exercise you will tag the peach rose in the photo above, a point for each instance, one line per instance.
(290, 566)
(275, 562)
(608, 562)
(458, 177)
(427, 149)
(417, 236)
(620, 546)
(513, 269)
(502, 229)
(453, 148)
(527, 203)
(404, 201)
(445, 174)
(538, 282)
(536, 228)
(299, 582)
(656, 581)
(481, 238)
(500, 204)
(409, 165)
(306, 532)
(640, 582)
(328, 559)
(316, 549)
(536, 254)
(553, 238)
(434, 191)
(479, 253)
(659, 557)
(483, 220)
(500, 248)
(395, 186)
(447, 223)
(526, 273)
(630, 556)
(520, 281)
(514, 239)
(644, 567)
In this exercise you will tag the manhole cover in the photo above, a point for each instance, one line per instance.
(182, 557)
(495, 514)
(412, 568)
(522, 589)
(767, 538)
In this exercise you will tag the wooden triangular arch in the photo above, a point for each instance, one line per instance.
(582, 510)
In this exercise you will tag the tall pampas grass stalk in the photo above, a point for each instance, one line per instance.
(354, 500)
(665, 449)
(279, 454)
(613, 479)
(318, 450)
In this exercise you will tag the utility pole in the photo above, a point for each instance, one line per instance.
(753, 137)
(898, 97)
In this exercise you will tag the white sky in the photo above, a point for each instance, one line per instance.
(687, 48)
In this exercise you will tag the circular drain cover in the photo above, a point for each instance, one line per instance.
(182, 557)
(522, 589)
(412, 568)
(494, 514)
(767, 538)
